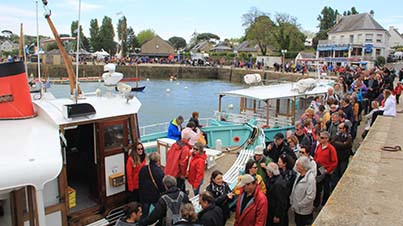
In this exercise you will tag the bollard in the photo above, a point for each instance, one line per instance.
(218, 144)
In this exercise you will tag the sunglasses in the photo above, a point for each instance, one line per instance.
(302, 152)
(140, 148)
(254, 167)
(324, 137)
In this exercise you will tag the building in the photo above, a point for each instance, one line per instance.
(247, 48)
(8, 46)
(156, 47)
(396, 39)
(222, 47)
(305, 58)
(354, 40)
(202, 47)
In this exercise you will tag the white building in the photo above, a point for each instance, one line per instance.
(356, 39)
(8, 46)
(396, 39)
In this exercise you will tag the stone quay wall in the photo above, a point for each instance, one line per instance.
(155, 71)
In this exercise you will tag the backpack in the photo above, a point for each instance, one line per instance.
(173, 208)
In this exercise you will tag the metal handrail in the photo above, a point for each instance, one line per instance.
(244, 117)
(163, 126)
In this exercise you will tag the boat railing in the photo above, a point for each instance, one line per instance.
(243, 117)
(163, 126)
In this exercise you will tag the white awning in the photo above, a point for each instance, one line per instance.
(286, 90)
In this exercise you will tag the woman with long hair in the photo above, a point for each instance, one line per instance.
(251, 168)
(135, 161)
(221, 193)
(196, 167)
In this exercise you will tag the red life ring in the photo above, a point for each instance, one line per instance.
(236, 139)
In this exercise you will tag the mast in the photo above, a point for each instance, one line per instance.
(63, 52)
(23, 54)
(78, 49)
(38, 46)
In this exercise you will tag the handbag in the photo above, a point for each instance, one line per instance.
(153, 180)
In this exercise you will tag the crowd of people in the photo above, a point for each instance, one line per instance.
(297, 171)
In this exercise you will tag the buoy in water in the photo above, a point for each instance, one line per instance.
(171, 80)
(167, 90)
(186, 87)
(148, 79)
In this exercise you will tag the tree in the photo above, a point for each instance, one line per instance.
(132, 41)
(261, 33)
(106, 35)
(251, 16)
(287, 33)
(145, 36)
(207, 37)
(83, 40)
(177, 42)
(353, 11)
(122, 35)
(94, 35)
(327, 19)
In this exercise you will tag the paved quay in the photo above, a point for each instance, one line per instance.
(370, 192)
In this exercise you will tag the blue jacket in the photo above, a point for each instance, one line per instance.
(174, 131)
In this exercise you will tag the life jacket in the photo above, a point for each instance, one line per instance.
(173, 208)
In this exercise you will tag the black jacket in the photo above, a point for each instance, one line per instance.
(276, 151)
(348, 110)
(211, 216)
(277, 196)
(147, 190)
(160, 209)
(222, 200)
(343, 145)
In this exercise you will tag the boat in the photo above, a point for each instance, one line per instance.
(274, 108)
(135, 89)
(63, 159)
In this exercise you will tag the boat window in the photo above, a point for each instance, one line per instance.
(113, 136)
(5, 210)
(249, 104)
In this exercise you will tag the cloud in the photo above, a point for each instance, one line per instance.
(13, 11)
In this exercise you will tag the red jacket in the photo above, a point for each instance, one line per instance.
(133, 173)
(196, 169)
(178, 159)
(326, 157)
(254, 213)
(398, 89)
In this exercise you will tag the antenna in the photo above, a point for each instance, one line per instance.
(38, 45)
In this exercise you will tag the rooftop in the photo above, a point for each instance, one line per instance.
(362, 21)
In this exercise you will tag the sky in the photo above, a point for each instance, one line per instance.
(183, 17)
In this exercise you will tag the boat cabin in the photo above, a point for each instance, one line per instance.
(66, 171)
(273, 106)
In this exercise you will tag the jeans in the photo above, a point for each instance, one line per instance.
(324, 186)
(197, 190)
(338, 173)
(181, 184)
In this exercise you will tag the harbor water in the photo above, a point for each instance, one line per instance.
(163, 100)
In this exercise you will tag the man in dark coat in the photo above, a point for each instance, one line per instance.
(343, 144)
(149, 191)
(303, 139)
(279, 146)
(210, 215)
(347, 109)
(277, 197)
(171, 200)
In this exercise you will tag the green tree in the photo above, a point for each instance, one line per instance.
(177, 42)
(261, 33)
(207, 36)
(249, 18)
(83, 39)
(94, 35)
(352, 11)
(106, 35)
(287, 33)
(327, 19)
(122, 34)
(145, 35)
(132, 41)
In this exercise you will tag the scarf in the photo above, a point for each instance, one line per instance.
(218, 190)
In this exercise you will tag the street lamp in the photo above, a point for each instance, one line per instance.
(283, 52)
